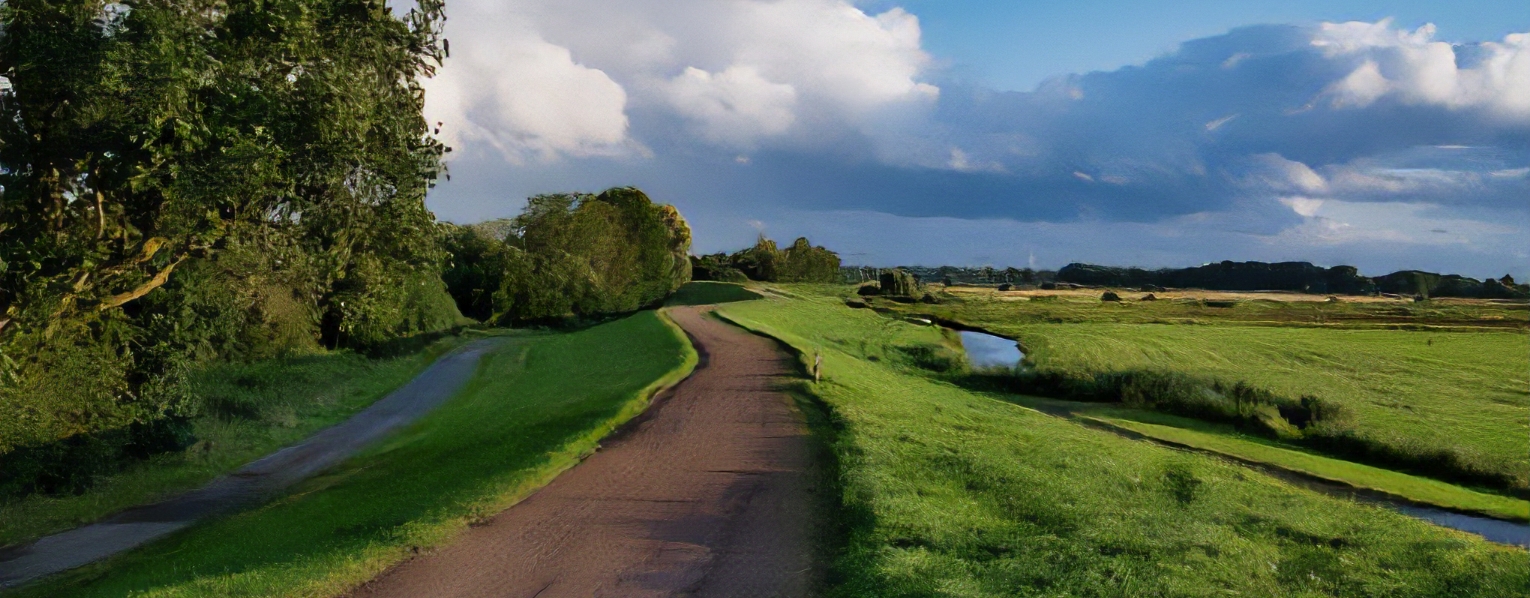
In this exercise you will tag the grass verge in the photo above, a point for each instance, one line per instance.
(949, 492)
(246, 411)
(538, 405)
(1363, 477)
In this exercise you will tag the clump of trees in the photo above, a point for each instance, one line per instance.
(184, 181)
(569, 256)
(765, 262)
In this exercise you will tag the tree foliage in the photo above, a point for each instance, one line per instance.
(183, 180)
(570, 255)
(801, 262)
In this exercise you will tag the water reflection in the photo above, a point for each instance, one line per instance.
(1502, 532)
(987, 350)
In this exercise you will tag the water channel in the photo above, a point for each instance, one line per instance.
(987, 350)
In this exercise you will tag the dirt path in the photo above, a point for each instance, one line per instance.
(709, 493)
(250, 484)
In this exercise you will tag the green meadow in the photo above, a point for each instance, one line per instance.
(951, 492)
(1466, 389)
(1463, 388)
(538, 404)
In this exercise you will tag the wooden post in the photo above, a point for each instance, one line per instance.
(817, 365)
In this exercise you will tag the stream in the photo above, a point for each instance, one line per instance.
(987, 350)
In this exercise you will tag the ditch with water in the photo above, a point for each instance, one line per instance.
(986, 350)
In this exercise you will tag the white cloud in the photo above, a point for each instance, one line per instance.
(1217, 124)
(1330, 222)
(1419, 70)
(1275, 172)
(525, 97)
(1362, 87)
(1304, 206)
(552, 78)
(734, 107)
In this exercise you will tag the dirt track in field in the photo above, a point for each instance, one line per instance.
(708, 493)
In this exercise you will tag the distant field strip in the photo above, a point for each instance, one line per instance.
(947, 492)
(1470, 390)
(537, 405)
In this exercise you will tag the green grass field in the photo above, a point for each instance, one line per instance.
(537, 405)
(1418, 388)
(1466, 389)
(948, 492)
(248, 410)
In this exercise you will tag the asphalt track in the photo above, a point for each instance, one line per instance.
(708, 493)
(249, 485)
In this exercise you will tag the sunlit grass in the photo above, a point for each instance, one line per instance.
(948, 492)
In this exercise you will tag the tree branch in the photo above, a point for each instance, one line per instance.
(158, 281)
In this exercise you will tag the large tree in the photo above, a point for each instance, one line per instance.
(138, 136)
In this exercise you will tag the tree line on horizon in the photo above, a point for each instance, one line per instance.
(1295, 276)
(1302, 277)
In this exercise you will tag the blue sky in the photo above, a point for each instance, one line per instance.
(1014, 45)
(995, 133)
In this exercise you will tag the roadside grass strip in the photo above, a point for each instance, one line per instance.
(1364, 477)
(538, 405)
(947, 492)
(249, 410)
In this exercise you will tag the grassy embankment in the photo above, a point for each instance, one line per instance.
(245, 411)
(1453, 379)
(955, 493)
(538, 404)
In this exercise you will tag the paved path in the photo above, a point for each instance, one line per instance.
(250, 484)
(709, 493)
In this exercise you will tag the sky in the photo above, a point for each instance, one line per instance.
(968, 132)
